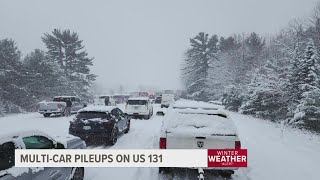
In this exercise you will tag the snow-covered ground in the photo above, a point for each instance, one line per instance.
(273, 153)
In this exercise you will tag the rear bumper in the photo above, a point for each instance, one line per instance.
(92, 137)
(50, 112)
(132, 113)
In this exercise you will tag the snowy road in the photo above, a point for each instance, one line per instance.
(291, 155)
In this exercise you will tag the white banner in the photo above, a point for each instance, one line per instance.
(111, 158)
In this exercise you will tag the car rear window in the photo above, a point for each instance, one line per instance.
(93, 115)
(7, 155)
(137, 102)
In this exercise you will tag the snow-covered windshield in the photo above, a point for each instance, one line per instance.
(37, 142)
(137, 102)
(93, 115)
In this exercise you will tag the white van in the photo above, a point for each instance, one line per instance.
(139, 107)
(167, 100)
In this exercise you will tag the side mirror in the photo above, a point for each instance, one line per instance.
(59, 146)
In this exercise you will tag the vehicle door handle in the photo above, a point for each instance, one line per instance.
(199, 137)
(54, 175)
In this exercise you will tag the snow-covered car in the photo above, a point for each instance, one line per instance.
(37, 140)
(198, 125)
(103, 124)
(139, 107)
(167, 100)
(58, 104)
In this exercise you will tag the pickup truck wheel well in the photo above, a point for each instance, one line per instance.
(77, 173)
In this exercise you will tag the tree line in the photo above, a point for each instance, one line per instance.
(62, 69)
(274, 78)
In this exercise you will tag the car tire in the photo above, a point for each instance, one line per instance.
(46, 114)
(164, 170)
(128, 128)
(114, 136)
(147, 116)
(78, 174)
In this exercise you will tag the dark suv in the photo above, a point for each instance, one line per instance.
(100, 124)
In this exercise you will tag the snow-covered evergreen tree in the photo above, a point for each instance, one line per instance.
(44, 78)
(13, 93)
(265, 98)
(66, 49)
(197, 64)
(308, 79)
(233, 98)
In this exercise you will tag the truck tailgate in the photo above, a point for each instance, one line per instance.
(205, 142)
(51, 105)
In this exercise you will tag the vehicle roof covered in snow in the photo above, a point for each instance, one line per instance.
(6, 137)
(138, 98)
(64, 96)
(97, 109)
(184, 104)
(218, 112)
(104, 95)
(198, 122)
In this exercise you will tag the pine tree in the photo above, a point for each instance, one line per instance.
(232, 98)
(197, 64)
(251, 57)
(66, 49)
(12, 91)
(265, 97)
(226, 68)
(43, 79)
(307, 78)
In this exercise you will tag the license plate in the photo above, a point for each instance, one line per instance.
(136, 107)
(86, 127)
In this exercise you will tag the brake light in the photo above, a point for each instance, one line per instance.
(237, 145)
(163, 143)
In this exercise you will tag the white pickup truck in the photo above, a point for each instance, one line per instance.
(58, 105)
(198, 126)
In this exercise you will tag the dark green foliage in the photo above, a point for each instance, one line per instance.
(232, 98)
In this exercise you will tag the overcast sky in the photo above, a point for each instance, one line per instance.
(141, 42)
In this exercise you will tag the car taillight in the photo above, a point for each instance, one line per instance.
(163, 143)
(237, 145)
